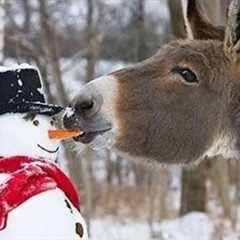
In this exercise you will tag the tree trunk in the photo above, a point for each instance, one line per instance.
(90, 68)
(87, 158)
(118, 167)
(140, 44)
(2, 29)
(27, 16)
(193, 194)
(50, 49)
(221, 180)
(235, 213)
(140, 173)
(93, 41)
(74, 165)
(151, 193)
(109, 169)
(46, 84)
(163, 190)
(177, 22)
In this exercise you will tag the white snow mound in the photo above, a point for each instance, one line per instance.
(194, 226)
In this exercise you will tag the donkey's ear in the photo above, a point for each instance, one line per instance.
(197, 26)
(232, 33)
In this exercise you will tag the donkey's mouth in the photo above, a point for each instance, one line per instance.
(88, 137)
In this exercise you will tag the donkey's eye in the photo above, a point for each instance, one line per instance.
(187, 75)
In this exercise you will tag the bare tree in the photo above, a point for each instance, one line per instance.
(220, 178)
(27, 15)
(176, 18)
(2, 29)
(51, 51)
(140, 44)
(193, 196)
(90, 68)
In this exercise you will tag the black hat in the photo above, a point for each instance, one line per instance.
(21, 92)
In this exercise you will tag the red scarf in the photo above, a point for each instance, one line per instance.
(29, 177)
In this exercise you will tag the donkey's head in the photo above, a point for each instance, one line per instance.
(176, 107)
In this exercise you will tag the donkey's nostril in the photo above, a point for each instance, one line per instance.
(70, 121)
(84, 106)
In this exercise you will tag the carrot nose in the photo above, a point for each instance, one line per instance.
(63, 134)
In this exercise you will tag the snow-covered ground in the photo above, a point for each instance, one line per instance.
(194, 226)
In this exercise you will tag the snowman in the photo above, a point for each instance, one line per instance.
(37, 200)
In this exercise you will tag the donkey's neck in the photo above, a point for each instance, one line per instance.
(224, 145)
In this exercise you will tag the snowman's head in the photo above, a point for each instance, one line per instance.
(27, 134)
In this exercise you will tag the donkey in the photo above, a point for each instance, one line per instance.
(178, 106)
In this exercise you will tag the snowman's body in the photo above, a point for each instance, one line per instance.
(49, 215)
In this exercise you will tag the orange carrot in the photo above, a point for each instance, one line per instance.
(63, 134)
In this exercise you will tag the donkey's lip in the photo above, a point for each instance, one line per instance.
(87, 137)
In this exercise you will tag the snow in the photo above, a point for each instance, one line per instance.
(190, 227)
(16, 67)
(116, 230)
(3, 177)
(194, 226)
(69, 112)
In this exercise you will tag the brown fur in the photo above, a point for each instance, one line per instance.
(160, 117)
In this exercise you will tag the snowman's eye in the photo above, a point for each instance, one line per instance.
(35, 122)
(52, 122)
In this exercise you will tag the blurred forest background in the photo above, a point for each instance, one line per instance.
(74, 41)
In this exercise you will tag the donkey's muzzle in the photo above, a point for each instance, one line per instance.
(84, 113)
